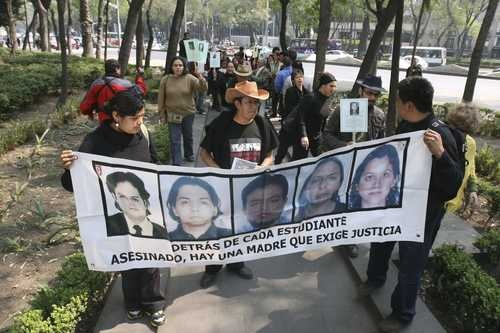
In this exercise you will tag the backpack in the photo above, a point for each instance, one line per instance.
(460, 141)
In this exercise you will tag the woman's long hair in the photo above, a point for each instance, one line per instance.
(391, 153)
(184, 63)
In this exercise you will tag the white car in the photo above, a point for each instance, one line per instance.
(331, 55)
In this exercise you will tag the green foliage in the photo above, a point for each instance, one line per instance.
(66, 304)
(489, 243)
(472, 296)
(161, 141)
(28, 76)
(492, 194)
(20, 132)
(488, 164)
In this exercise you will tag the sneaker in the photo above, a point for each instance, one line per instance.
(367, 288)
(189, 159)
(244, 273)
(392, 324)
(207, 280)
(134, 314)
(158, 318)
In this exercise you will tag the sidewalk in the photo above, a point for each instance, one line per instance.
(313, 291)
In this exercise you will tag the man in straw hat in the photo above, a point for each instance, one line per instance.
(332, 138)
(243, 134)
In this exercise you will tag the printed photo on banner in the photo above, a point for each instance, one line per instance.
(376, 182)
(131, 202)
(354, 115)
(263, 201)
(322, 187)
(196, 208)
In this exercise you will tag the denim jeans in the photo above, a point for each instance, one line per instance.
(178, 131)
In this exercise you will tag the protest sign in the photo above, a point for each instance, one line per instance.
(191, 46)
(353, 115)
(135, 215)
(215, 59)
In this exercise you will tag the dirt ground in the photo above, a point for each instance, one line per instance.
(28, 260)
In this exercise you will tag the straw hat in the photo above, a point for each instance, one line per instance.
(243, 70)
(246, 88)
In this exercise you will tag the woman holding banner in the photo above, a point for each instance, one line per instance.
(194, 205)
(176, 105)
(319, 195)
(375, 183)
(124, 136)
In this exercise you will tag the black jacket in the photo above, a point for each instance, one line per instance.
(311, 119)
(105, 141)
(116, 225)
(293, 96)
(446, 175)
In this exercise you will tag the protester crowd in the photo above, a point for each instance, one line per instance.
(247, 91)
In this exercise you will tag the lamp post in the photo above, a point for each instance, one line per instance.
(117, 7)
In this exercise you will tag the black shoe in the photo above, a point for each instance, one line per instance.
(207, 280)
(392, 324)
(244, 272)
(367, 288)
(189, 159)
(352, 250)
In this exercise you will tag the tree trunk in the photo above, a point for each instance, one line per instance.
(477, 53)
(27, 28)
(385, 18)
(98, 47)
(325, 8)
(130, 27)
(396, 53)
(54, 27)
(68, 28)
(139, 41)
(106, 27)
(175, 29)
(86, 26)
(61, 6)
(363, 38)
(43, 28)
(284, 5)
(417, 30)
(151, 35)
(12, 27)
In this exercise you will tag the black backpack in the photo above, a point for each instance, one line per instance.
(460, 141)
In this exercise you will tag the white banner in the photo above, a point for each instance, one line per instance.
(133, 214)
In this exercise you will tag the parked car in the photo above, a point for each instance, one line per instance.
(331, 55)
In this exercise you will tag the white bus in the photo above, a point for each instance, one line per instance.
(435, 56)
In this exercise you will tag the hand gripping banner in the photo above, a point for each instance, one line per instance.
(134, 215)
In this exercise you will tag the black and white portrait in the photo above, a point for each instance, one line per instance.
(264, 200)
(377, 177)
(323, 187)
(132, 204)
(196, 208)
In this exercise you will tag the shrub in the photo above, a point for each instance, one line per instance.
(28, 76)
(492, 195)
(488, 163)
(489, 243)
(472, 296)
(19, 133)
(161, 141)
(65, 305)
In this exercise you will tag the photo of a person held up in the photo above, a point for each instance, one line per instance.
(323, 190)
(195, 206)
(266, 201)
(354, 109)
(132, 201)
(377, 179)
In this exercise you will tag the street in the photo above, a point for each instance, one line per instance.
(447, 88)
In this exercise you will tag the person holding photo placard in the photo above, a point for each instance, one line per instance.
(238, 134)
(124, 136)
(414, 106)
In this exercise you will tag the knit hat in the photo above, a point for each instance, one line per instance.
(126, 103)
(326, 78)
